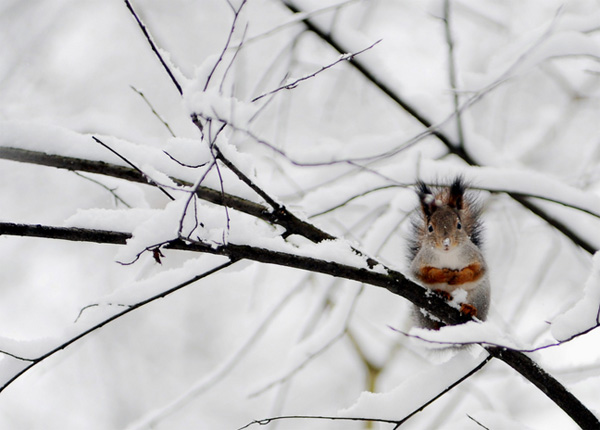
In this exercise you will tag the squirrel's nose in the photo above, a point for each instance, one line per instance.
(446, 243)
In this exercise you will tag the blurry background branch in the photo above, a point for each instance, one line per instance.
(454, 147)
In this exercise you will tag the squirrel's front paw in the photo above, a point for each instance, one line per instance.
(468, 309)
(444, 295)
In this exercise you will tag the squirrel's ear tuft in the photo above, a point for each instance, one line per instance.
(422, 188)
(426, 197)
(457, 193)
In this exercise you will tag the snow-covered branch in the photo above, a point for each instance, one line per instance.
(310, 189)
(452, 146)
(379, 276)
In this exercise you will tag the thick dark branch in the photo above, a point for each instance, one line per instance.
(391, 280)
(290, 222)
(70, 163)
(128, 174)
(64, 233)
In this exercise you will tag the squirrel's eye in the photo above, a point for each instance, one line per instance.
(430, 228)
(459, 225)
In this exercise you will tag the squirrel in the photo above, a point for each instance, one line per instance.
(445, 250)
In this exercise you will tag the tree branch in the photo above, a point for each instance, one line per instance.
(548, 385)
(153, 46)
(450, 387)
(290, 222)
(133, 166)
(386, 89)
(296, 82)
(38, 360)
(389, 279)
(452, 72)
(452, 146)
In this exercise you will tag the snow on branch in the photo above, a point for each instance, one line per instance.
(381, 276)
(584, 316)
(327, 256)
(397, 401)
(453, 147)
(425, 388)
(291, 223)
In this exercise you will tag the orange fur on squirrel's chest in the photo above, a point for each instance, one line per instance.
(434, 275)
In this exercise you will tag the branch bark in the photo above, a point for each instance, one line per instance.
(389, 279)
(290, 222)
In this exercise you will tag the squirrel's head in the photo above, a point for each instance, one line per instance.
(445, 215)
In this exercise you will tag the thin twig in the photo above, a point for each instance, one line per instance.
(101, 324)
(154, 48)
(452, 72)
(295, 83)
(477, 422)
(110, 190)
(150, 180)
(354, 197)
(213, 148)
(154, 112)
(93, 305)
(440, 394)
(266, 421)
(181, 163)
(193, 195)
(237, 51)
(236, 14)
(498, 345)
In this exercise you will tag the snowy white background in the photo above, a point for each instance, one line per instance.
(256, 341)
